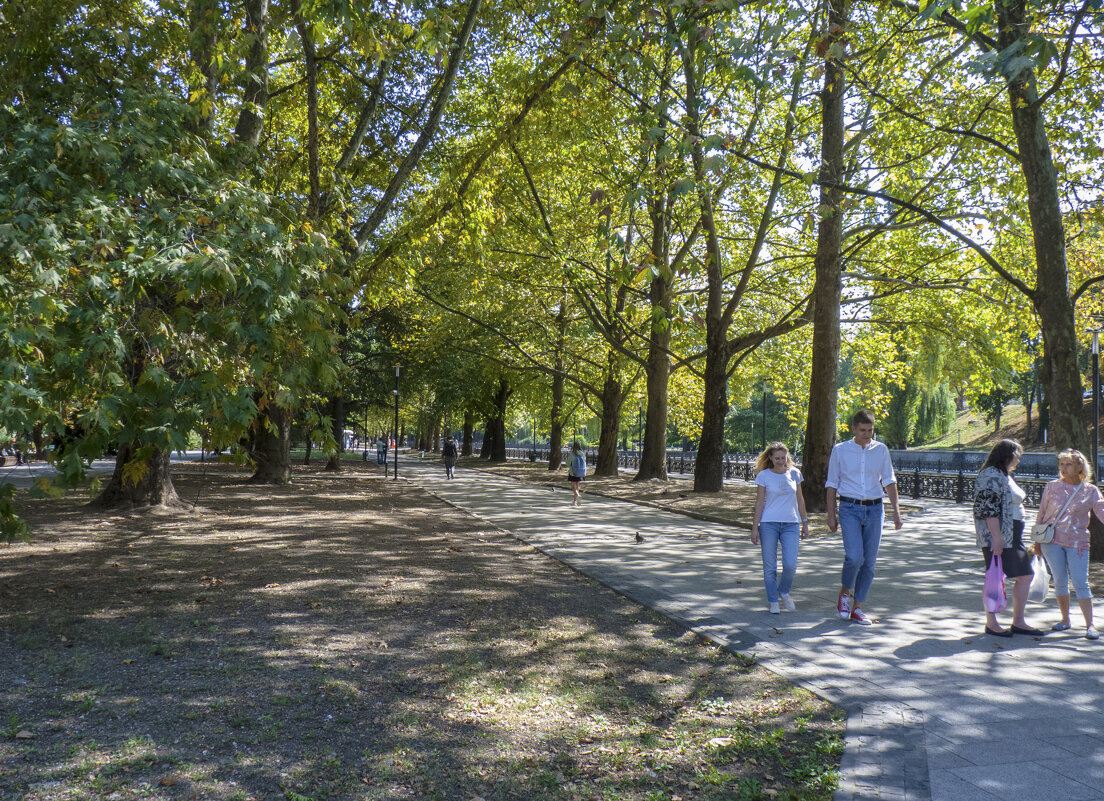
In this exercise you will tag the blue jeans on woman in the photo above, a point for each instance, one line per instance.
(1066, 565)
(770, 536)
(861, 529)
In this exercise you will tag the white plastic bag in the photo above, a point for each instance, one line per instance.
(1040, 582)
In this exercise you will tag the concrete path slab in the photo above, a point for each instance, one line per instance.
(937, 709)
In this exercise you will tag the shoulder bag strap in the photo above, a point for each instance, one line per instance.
(1065, 506)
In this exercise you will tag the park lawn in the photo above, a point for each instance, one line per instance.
(346, 637)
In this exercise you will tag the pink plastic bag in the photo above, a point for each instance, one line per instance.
(994, 598)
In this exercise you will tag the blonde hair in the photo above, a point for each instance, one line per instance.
(764, 460)
(1078, 458)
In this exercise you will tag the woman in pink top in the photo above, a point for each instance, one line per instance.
(1068, 555)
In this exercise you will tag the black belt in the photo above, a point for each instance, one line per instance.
(874, 502)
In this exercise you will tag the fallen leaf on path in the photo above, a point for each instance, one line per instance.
(720, 742)
(23, 734)
(168, 780)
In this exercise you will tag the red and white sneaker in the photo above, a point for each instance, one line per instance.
(860, 617)
(843, 605)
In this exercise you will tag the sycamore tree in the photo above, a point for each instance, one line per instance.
(1000, 120)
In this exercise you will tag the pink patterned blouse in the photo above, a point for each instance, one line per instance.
(1072, 529)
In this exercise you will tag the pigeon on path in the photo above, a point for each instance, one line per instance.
(639, 538)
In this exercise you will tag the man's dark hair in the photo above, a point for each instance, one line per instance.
(862, 416)
(1002, 455)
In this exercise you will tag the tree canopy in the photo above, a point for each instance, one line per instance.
(218, 215)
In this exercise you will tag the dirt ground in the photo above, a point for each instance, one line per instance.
(346, 637)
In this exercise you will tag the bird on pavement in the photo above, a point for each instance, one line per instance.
(638, 537)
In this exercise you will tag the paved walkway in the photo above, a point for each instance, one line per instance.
(936, 709)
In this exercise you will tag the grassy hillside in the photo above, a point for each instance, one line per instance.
(971, 430)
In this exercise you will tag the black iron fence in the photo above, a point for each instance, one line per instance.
(957, 486)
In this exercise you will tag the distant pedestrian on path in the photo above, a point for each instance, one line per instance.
(576, 471)
(858, 471)
(1067, 502)
(999, 526)
(448, 453)
(780, 519)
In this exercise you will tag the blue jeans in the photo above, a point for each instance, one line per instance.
(770, 536)
(861, 529)
(1066, 565)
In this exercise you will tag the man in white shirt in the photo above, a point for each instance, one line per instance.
(858, 470)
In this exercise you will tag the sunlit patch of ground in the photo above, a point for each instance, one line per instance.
(346, 637)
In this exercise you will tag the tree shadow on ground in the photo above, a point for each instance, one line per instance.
(344, 637)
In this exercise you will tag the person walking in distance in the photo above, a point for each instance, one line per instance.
(576, 471)
(448, 453)
(858, 472)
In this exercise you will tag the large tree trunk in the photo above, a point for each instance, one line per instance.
(255, 78)
(657, 368)
(272, 445)
(555, 427)
(497, 451)
(820, 426)
(203, 18)
(611, 421)
(490, 430)
(1051, 297)
(150, 486)
(469, 432)
(709, 465)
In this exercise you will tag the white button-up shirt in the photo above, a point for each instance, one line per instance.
(858, 472)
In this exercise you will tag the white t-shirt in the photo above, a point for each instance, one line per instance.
(781, 500)
(1018, 498)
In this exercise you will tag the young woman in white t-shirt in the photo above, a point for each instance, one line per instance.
(780, 519)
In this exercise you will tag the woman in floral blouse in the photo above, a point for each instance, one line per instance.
(999, 526)
(1068, 554)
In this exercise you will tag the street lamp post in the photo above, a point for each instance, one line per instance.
(1096, 402)
(764, 415)
(395, 391)
(639, 429)
(366, 430)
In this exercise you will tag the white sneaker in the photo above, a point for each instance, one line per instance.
(787, 602)
(774, 608)
(1091, 634)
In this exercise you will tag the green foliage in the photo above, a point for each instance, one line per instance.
(149, 290)
(934, 416)
(901, 415)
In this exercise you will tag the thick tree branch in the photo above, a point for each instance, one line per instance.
(429, 130)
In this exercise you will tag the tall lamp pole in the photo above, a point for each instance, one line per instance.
(639, 429)
(366, 430)
(395, 391)
(764, 415)
(1096, 403)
